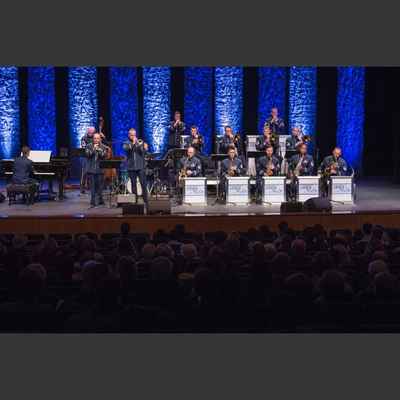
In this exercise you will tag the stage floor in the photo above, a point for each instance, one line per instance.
(372, 195)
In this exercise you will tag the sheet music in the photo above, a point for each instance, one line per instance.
(42, 156)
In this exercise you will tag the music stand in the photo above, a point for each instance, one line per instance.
(217, 158)
(156, 165)
(255, 154)
(112, 164)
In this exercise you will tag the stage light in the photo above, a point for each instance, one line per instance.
(271, 93)
(82, 91)
(42, 131)
(9, 112)
(350, 113)
(156, 107)
(228, 98)
(303, 100)
(198, 102)
(124, 104)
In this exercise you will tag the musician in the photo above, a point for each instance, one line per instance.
(268, 165)
(95, 152)
(294, 140)
(190, 165)
(195, 140)
(176, 129)
(334, 164)
(85, 141)
(266, 140)
(301, 164)
(136, 151)
(229, 140)
(231, 166)
(276, 124)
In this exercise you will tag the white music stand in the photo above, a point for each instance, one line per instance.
(274, 189)
(238, 191)
(195, 191)
(307, 187)
(341, 189)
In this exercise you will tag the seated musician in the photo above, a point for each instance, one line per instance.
(266, 140)
(268, 165)
(229, 140)
(231, 166)
(334, 164)
(190, 166)
(301, 164)
(23, 169)
(276, 124)
(195, 140)
(95, 152)
(294, 140)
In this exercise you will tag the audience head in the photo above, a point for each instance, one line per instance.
(161, 269)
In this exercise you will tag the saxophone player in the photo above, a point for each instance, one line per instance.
(136, 151)
(334, 164)
(301, 164)
(231, 166)
(95, 152)
(190, 166)
(268, 165)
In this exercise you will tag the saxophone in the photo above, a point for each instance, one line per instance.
(297, 169)
(232, 169)
(270, 168)
(183, 171)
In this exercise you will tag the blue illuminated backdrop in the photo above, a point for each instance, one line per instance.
(271, 93)
(124, 104)
(303, 99)
(198, 102)
(82, 99)
(350, 113)
(9, 112)
(228, 98)
(42, 109)
(156, 106)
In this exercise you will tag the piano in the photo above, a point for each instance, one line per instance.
(57, 169)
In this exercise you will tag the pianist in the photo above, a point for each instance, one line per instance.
(23, 169)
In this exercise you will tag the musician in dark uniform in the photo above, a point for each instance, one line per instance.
(195, 140)
(85, 141)
(231, 166)
(176, 129)
(268, 165)
(95, 152)
(294, 140)
(276, 124)
(334, 164)
(136, 151)
(266, 140)
(301, 164)
(190, 165)
(229, 140)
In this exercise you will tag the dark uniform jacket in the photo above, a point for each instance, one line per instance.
(175, 134)
(277, 127)
(94, 157)
(307, 165)
(342, 169)
(135, 154)
(23, 170)
(192, 164)
(292, 142)
(227, 142)
(262, 143)
(197, 146)
(262, 164)
(235, 163)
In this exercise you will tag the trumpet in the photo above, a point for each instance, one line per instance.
(236, 138)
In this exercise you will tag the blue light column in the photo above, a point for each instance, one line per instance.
(9, 112)
(124, 104)
(271, 93)
(303, 100)
(198, 102)
(82, 93)
(350, 113)
(156, 107)
(42, 132)
(228, 98)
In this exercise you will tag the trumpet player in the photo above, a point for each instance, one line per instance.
(229, 140)
(95, 152)
(176, 129)
(268, 165)
(195, 140)
(136, 151)
(266, 140)
(231, 166)
(334, 164)
(276, 124)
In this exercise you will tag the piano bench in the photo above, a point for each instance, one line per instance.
(28, 191)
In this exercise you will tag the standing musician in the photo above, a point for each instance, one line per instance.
(268, 165)
(301, 164)
(176, 129)
(136, 150)
(231, 166)
(95, 152)
(229, 140)
(266, 140)
(276, 124)
(334, 164)
(85, 141)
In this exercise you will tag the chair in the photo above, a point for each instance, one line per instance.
(27, 190)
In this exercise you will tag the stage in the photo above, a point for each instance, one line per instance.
(377, 201)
